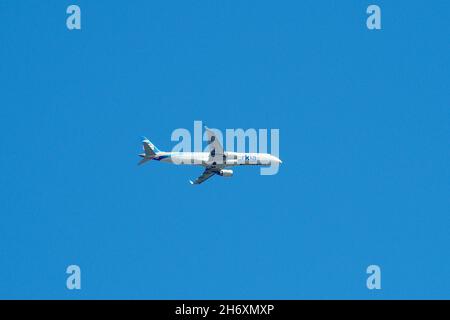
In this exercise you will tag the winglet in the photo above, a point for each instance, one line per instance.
(191, 182)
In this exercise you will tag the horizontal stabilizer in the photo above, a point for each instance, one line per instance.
(144, 160)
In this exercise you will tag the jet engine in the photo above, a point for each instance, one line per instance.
(226, 173)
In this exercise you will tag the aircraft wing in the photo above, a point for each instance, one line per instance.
(215, 147)
(208, 173)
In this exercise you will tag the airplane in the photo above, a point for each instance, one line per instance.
(215, 161)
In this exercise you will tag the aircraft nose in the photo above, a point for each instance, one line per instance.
(276, 160)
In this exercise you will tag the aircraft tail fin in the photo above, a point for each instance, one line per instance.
(150, 151)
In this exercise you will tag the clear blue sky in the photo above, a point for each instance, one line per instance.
(364, 138)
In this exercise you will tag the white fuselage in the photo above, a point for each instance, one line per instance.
(228, 159)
